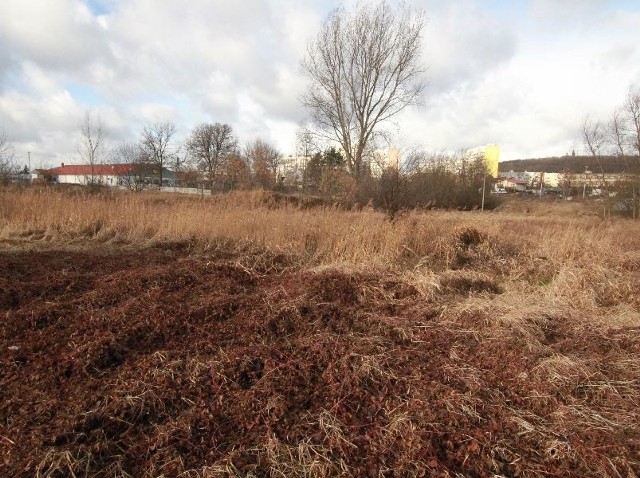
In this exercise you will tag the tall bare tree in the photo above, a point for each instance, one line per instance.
(7, 166)
(632, 107)
(364, 68)
(210, 145)
(632, 110)
(306, 147)
(616, 133)
(594, 138)
(156, 142)
(617, 137)
(92, 148)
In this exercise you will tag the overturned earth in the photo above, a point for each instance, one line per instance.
(166, 362)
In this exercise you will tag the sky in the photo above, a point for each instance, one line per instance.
(519, 73)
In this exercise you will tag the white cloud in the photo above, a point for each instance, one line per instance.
(151, 113)
(559, 12)
(463, 43)
(520, 74)
(56, 35)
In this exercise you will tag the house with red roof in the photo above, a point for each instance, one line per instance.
(511, 184)
(117, 175)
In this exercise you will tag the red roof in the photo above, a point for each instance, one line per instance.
(87, 169)
(512, 180)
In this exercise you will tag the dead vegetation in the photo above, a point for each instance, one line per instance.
(219, 344)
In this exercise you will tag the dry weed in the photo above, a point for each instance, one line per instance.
(304, 460)
(562, 371)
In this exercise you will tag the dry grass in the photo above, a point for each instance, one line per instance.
(545, 288)
(317, 236)
(533, 266)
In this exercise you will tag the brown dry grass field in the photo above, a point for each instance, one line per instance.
(258, 335)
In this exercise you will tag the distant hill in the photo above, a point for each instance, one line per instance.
(573, 164)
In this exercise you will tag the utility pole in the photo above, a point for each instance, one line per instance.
(484, 187)
(29, 156)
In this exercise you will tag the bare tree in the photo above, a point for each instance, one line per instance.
(306, 144)
(616, 132)
(135, 176)
(265, 161)
(156, 143)
(632, 107)
(632, 110)
(7, 166)
(364, 67)
(306, 147)
(92, 148)
(210, 145)
(126, 153)
(617, 137)
(622, 135)
(593, 137)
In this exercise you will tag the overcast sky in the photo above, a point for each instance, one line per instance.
(519, 73)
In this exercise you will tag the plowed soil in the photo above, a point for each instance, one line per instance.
(157, 362)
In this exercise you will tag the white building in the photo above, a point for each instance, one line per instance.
(108, 174)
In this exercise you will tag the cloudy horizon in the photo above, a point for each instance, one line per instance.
(522, 74)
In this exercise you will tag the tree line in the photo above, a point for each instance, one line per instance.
(617, 138)
(212, 158)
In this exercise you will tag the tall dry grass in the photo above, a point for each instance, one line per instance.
(549, 261)
(29, 217)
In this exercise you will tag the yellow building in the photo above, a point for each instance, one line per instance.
(491, 155)
(491, 158)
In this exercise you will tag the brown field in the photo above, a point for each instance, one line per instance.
(251, 334)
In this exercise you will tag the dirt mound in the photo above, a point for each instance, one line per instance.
(155, 362)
